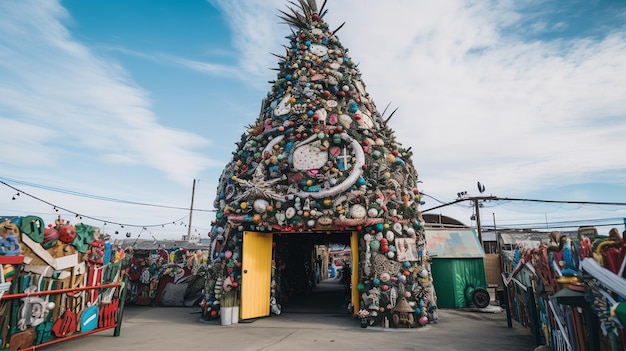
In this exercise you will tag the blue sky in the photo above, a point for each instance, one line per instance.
(130, 101)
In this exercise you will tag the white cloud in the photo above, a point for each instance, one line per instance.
(89, 102)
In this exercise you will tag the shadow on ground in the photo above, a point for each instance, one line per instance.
(328, 297)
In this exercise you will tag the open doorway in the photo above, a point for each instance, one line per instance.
(313, 272)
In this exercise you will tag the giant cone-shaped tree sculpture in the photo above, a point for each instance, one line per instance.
(321, 158)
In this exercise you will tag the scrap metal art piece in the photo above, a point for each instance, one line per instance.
(321, 158)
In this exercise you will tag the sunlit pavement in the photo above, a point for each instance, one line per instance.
(179, 328)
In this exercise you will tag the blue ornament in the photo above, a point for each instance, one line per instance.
(360, 181)
(288, 146)
(314, 188)
(288, 77)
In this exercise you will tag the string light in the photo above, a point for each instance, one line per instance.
(56, 208)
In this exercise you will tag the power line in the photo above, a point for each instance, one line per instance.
(95, 197)
(563, 201)
(495, 198)
(553, 225)
(439, 201)
(77, 213)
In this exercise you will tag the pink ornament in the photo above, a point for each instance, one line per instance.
(423, 320)
(333, 119)
(228, 254)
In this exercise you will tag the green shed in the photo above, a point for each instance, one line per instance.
(457, 267)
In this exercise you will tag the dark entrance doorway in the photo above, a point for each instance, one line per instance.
(303, 281)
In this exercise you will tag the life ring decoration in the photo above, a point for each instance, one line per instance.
(354, 174)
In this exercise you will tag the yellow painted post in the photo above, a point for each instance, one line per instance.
(354, 248)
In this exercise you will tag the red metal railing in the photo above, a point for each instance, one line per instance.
(112, 319)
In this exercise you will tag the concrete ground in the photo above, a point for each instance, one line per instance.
(179, 328)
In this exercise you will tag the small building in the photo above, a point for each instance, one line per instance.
(457, 266)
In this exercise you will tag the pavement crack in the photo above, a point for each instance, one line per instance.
(277, 341)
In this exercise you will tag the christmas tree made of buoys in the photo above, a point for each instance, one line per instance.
(321, 158)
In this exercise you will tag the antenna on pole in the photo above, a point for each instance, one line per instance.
(193, 192)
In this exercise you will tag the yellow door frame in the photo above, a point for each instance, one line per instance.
(257, 274)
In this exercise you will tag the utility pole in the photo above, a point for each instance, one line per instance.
(193, 192)
(478, 229)
(477, 210)
(495, 232)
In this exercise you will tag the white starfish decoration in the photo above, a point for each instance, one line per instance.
(258, 187)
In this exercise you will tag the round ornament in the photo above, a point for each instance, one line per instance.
(260, 205)
(372, 212)
(423, 321)
(290, 212)
(358, 212)
(385, 277)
